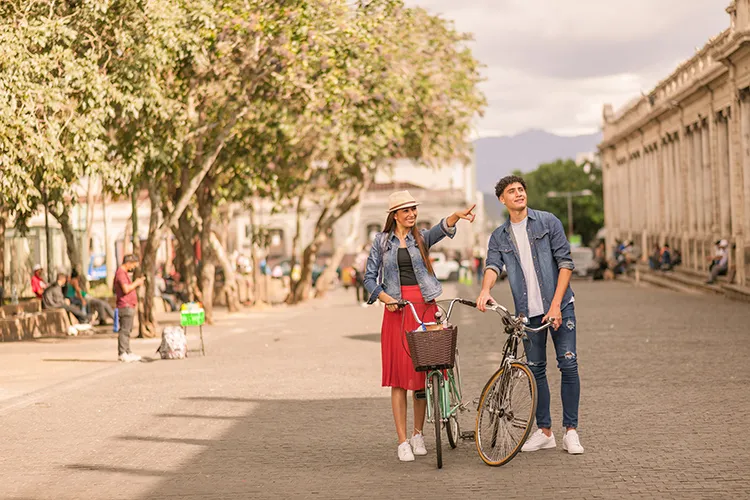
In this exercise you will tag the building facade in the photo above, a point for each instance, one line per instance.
(440, 191)
(676, 162)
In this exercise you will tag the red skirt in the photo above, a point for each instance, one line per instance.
(398, 370)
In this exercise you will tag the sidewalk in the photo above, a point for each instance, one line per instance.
(35, 368)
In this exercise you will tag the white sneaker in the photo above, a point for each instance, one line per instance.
(417, 444)
(571, 443)
(404, 452)
(538, 441)
(134, 357)
(124, 357)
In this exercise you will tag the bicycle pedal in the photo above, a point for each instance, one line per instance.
(420, 394)
(468, 435)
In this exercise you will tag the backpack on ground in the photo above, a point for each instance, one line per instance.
(173, 343)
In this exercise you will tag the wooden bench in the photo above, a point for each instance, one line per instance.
(28, 326)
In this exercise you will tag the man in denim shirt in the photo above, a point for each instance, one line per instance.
(536, 254)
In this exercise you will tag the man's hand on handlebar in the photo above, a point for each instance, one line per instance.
(484, 299)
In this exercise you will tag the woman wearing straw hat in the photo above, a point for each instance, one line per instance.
(399, 268)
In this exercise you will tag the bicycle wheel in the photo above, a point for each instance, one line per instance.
(506, 414)
(452, 428)
(436, 414)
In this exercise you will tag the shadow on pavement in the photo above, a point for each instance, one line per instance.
(118, 470)
(298, 448)
(369, 337)
(78, 360)
(191, 415)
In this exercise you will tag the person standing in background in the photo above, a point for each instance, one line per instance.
(127, 302)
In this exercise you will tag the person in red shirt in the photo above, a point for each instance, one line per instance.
(127, 302)
(37, 282)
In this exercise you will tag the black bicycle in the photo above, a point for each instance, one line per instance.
(507, 405)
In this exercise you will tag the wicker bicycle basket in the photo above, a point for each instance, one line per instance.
(433, 349)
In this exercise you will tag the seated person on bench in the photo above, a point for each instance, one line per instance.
(79, 298)
(53, 298)
(719, 261)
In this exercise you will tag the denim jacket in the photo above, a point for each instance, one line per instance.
(382, 272)
(550, 251)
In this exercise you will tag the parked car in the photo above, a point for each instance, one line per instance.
(583, 259)
(445, 270)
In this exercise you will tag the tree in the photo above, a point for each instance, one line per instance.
(53, 110)
(407, 88)
(565, 175)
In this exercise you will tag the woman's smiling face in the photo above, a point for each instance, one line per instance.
(407, 217)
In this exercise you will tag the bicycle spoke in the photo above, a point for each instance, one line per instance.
(505, 416)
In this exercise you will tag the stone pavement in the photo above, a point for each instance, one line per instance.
(288, 404)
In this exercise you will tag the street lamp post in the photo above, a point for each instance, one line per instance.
(569, 195)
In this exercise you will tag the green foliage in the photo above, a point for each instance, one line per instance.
(272, 98)
(565, 175)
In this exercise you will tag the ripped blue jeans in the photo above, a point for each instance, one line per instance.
(564, 339)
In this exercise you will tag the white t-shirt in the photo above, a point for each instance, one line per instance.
(536, 306)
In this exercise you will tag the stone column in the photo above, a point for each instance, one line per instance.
(723, 193)
(700, 226)
(668, 185)
(736, 188)
(745, 170)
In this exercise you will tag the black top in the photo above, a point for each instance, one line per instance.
(405, 269)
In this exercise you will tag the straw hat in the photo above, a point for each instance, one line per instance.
(401, 199)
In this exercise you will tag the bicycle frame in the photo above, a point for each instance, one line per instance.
(447, 379)
(447, 383)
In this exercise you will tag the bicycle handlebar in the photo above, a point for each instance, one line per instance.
(493, 307)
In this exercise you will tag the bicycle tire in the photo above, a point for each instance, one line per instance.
(436, 416)
(493, 410)
(452, 428)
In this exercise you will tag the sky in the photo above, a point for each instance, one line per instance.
(553, 64)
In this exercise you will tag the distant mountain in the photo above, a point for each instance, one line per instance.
(499, 156)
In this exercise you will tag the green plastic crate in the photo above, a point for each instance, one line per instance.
(192, 318)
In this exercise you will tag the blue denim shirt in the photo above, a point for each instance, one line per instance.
(382, 273)
(550, 251)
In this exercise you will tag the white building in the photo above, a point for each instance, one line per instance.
(440, 192)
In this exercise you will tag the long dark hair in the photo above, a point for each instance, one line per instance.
(390, 225)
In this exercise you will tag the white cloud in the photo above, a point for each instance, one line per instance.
(553, 64)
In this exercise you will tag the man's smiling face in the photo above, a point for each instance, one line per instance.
(514, 196)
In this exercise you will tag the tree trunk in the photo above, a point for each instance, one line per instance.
(71, 243)
(340, 203)
(208, 267)
(254, 248)
(109, 250)
(86, 250)
(300, 291)
(297, 235)
(185, 234)
(148, 326)
(326, 278)
(230, 278)
(3, 221)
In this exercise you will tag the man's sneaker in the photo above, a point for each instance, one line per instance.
(571, 443)
(417, 444)
(404, 452)
(539, 441)
(125, 358)
(134, 357)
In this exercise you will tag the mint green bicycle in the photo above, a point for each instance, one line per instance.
(443, 381)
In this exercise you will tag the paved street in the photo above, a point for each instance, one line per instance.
(288, 404)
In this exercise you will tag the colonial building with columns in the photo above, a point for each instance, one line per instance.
(676, 162)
